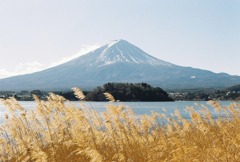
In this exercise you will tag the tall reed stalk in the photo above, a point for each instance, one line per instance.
(57, 130)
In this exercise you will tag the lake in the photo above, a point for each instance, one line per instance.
(138, 107)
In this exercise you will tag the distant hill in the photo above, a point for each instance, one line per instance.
(234, 88)
(118, 61)
(129, 92)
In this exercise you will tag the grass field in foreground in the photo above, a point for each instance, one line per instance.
(57, 130)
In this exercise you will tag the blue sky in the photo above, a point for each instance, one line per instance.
(36, 34)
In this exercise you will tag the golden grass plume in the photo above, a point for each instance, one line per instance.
(57, 130)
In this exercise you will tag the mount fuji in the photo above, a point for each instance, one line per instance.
(118, 61)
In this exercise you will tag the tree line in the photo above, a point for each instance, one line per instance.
(124, 92)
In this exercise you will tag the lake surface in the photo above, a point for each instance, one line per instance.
(138, 107)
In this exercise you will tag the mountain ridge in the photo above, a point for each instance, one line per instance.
(118, 61)
(104, 55)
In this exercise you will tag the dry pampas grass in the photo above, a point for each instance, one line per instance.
(57, 130)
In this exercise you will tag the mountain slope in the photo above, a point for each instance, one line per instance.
(118, 61)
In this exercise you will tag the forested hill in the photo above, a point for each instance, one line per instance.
(234, 88)
(129, 92)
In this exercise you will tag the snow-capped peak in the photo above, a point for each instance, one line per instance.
(111, 43)
(119, 51)
(123, 51)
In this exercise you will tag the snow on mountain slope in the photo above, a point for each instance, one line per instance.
(118, 61)
(119, 51)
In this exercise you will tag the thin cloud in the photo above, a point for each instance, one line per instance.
(22, 68)
(31, 67)
(84, 50)
(4, 73)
